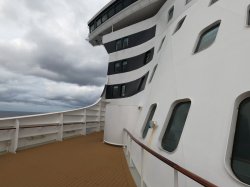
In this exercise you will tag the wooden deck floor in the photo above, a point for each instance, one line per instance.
(79, 162)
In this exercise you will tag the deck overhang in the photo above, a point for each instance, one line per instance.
(137, 11)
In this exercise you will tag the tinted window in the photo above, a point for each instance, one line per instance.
(180, 24)
(149, 120)
(104, 17)
(207, 38)
(92, 28)
(118, 7)
(170, 13)
(187, 1)
(124, 65)
(125, 42)
(123, 93)
(147, 57)
(98, 22)
(117, 67)
(248, 19)
(153, 73)
(175, 126)
(111, 12)
(241, 149)
(116, 91)
(118, 45)
(213, 1)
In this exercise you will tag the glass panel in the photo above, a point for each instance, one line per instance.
(175, 126)
(104, 17)
(170, 13)
(111, 12)
(118, 7)
(123, 90)
(125, 42)
(116, 91)
(180, 24)
(92, 28)
(118, 45)
(241, 148)
(153, 73)
(149, 120)
(117, 67)
(207, 38)
(147, 57)
(124, 65)
(98, 22)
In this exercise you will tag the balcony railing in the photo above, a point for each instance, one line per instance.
(28, 131)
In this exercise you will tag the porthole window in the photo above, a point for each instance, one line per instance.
(149, 120)
(180, 23)
(212, 2)
(208, 37)
(162, 42)
(170, 14)
(175, 126)
(241, 149)
(153, 73)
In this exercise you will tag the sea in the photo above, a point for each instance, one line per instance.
(5, 114)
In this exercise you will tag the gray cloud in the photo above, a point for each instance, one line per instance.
(45, 61)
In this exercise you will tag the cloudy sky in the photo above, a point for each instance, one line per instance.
(46, 64)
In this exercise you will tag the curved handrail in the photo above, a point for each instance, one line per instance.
(175, 166)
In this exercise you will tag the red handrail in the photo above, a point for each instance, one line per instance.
(180, 169)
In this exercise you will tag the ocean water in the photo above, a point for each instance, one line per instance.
(4, 114)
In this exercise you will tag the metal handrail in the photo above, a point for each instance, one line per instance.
(175, 166)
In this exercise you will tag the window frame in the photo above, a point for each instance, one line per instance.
(152, 108)
(202, 33)
(231, 134)
(167, 120)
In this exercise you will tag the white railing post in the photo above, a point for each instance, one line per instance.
(142, 160)
(14, 140)
(176, 182)
(60, 130)
(98, 128)
(130, 148)
(84, 128)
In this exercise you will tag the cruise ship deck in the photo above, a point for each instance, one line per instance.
(81, 161)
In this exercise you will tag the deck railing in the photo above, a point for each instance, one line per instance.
(129, 138)
(23, 132)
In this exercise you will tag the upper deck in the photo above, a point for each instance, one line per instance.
(119, 14)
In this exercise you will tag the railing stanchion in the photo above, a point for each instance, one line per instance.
(60, 129)
(176, 180)
(142, 162)
(14, 140)
(84, 128)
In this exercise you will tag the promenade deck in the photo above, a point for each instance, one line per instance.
(78, 162)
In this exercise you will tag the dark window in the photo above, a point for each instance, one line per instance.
(180, 24)
(125, 42)
(213, 1)
(241, 148)
(187, 1)
(149, 120)
(111, 12)
(118, 45)
(162, 42)
(98, 22)
(124, 65)
(117, 67)
(153, 73)
(92, 27)
(170, 13)
(104, 17)
(118, 7)
(207, 38)
(175, 126)
(123, 93)
(147, 57)
(116, 91)
(141, 84)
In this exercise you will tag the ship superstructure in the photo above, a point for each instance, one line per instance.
(177, 83)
